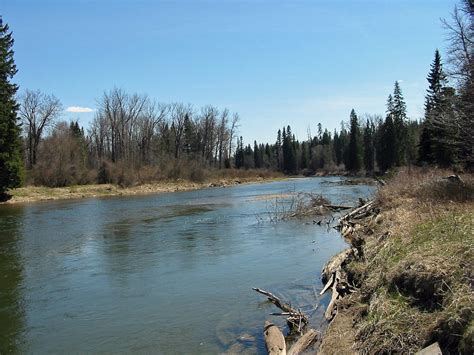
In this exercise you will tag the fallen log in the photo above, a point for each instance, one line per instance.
(358, 210)
(380, 181)
(274, 339)
(335, 263)
(276, 301)
(297, 320)
(329, 314)
(303, 343)
(328, 285)
(338, 207)
(433, 349)
(288, 314)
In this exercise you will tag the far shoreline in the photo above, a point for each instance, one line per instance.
(32, 194)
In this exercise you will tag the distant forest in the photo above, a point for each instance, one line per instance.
(134, 139)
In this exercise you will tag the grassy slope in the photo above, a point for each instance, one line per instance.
(416, 276)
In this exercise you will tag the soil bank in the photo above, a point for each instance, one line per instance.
(413, 278)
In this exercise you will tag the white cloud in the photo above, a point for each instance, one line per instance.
(79, 109)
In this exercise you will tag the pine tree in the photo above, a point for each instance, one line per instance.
(445, 130)
(369, 150)
(436, 79)
(256, 156)
(386, 140)
(388, 153)
(289, 152)
(304, 156)
(11, 168)
(239, 154)
(354, 159)
(399, 117)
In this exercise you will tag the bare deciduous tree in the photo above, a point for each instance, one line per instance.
(37, 112)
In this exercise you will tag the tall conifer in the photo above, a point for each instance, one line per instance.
(10, 157)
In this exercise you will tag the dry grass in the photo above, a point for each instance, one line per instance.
(42, 193)
(416, 281)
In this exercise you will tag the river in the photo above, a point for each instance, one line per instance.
(169, 273)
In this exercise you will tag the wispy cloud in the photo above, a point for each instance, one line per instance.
(79, 109)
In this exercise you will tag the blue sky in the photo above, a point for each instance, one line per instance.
(274, 62)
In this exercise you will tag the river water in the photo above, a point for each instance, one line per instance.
(170, 273)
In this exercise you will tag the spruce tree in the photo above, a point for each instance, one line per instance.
(11, 168)
(445, 130)
(369, 153)
(354, 159)
(304, 156)
(399, 117)
(239, 154)
(388, 149)
(436, 79)
(256, 156)
(289, 152)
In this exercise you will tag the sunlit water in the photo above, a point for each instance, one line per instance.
(169, 273)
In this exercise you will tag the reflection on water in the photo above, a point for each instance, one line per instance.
(169, 273)
(11, 277)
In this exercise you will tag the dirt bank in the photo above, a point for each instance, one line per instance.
(412, 278)
(41, 193)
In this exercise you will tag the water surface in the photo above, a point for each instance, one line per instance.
(169, 273)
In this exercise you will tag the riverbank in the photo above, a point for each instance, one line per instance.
(41, 193)
(413, 275)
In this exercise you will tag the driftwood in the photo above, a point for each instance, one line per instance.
(329, 314)
(433, 349)
(276, 301)
(454, 178)
(328, 284)
(357, 212)
(338, 207)
(333, 274)
(274, 339)
(380, 181)
(303, 342)
(335, 263)
(296, 319)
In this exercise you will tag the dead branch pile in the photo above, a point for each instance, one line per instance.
(334, 274)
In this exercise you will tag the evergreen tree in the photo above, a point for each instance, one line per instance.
(354, 159)
(445, 130)
(11, 167)
(344, 144)
(337, 148)
(399, 117)
(289, 153)
(304, 156)
(239, 154)
(436, 79)
(278, 150)
(257, 161)
(369, 149)
(388, 152)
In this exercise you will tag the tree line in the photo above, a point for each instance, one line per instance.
(135, 138)
(129, 133)
(371, 143)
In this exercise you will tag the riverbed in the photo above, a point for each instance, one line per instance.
(169, 273)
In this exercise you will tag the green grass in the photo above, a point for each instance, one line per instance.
(437, 254)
